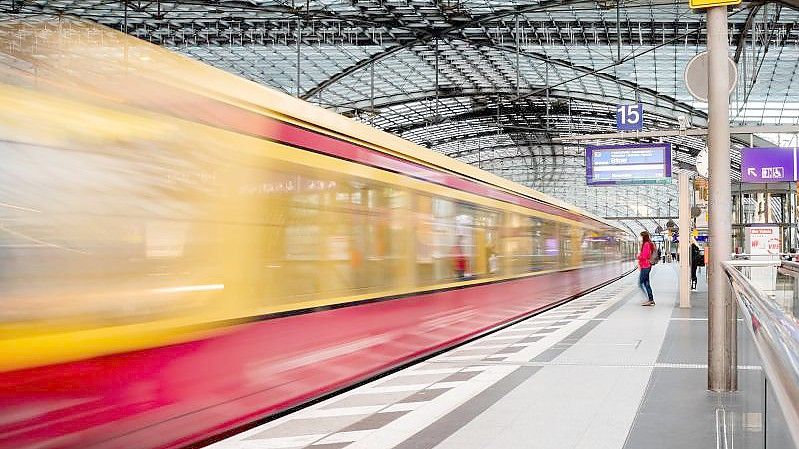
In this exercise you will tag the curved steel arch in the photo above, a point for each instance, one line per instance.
(676, 104)
(470, 92)
(443, 34)
(486, 111)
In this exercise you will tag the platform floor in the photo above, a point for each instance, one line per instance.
(598, 372)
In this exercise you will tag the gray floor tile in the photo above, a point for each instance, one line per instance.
(511, 350)
(412, 379)
(359, 400)
(329, 446)
(677, 412)
(530, 339)
(426, 395)
(375, 421)
(460, 376)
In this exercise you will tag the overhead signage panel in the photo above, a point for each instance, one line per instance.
(628, 164)
(760, 165)
(630, 117)
(710, 3)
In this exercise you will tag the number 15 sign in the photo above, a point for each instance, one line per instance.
(630, 117)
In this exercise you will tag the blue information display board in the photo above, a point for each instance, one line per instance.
(628, 164)
(630, 117)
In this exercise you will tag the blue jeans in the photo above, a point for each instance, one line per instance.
(643, 282)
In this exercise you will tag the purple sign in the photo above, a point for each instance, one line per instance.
(768, 164)
(628, 164)
(630, 117)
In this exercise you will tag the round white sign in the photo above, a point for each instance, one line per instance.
(696, 76)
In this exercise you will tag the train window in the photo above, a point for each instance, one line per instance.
(572, 254)
(517, 244)
(455, 240)
(594, 247)
(424, 239)
(486, 243)
(448, 245)
(399, 244)
(477, 231)
(353, 243)
(546, 248)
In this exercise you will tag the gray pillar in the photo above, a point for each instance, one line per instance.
(685, 239)
(721, 309)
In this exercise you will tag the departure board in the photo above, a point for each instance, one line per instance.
(628, 164)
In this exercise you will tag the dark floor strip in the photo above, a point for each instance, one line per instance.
(442, 429)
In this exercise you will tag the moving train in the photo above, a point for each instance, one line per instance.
(183, 252)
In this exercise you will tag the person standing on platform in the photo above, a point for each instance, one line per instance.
(645, 261)
(695, 256)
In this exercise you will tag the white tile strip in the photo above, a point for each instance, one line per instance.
(346, 437)
(272, 443)
(342, 411)
(406, 426)
(391, 389)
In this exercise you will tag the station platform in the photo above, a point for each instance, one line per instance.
(598, 372)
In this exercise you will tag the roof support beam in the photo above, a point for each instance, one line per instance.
(746, 130)
(648, 217)
(427, 38)
(750, 19)
(607, 77)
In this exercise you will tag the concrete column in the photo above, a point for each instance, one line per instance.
(721, 308)
(685, 239)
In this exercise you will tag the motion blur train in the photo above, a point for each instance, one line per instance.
(183, 252)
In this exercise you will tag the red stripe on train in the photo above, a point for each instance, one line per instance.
(170, 396)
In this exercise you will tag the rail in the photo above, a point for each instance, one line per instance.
(747, 256)
(776, 337)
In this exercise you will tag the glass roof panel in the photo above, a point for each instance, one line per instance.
(490, 82)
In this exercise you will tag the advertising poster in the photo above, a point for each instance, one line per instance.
(763, 243)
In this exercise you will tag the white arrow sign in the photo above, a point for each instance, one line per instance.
(751, 171)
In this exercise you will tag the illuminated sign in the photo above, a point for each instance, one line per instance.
(768, 164)
(628, 164)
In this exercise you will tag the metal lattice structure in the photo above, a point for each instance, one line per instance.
(489, 82)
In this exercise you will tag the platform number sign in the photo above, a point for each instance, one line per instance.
(630, 117)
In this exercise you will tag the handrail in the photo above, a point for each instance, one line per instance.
(776, 337)
(790, 265)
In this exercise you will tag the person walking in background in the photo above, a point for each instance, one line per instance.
(645, 267)
(695, 256)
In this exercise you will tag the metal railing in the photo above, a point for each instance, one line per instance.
(747, 256)
(775, 335)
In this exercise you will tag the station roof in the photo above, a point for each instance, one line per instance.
(489, 82)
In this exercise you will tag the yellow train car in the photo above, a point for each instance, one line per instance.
(190, 250)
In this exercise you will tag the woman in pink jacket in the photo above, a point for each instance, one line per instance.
(647, 248)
